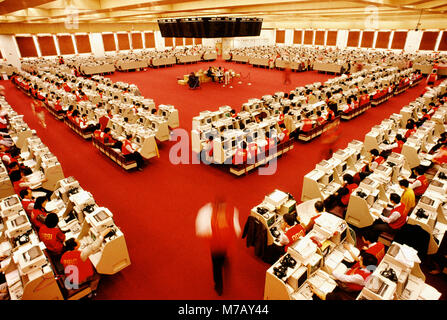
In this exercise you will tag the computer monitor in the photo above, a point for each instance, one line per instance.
(154, 125)
(208, 120)
(344, 167)
(164, 114)
(255, 135)
(32, 253)
(302, 278)
(12, 201)
(230, 127)
(233, 143)
(271, 221)
(141, 120)
(358, 156)
(22, 219)
(343, 235)
(138, 139)
(330, 178)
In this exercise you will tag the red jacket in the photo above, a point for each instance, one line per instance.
(377, 250)
(124, 147)
(402, 219)
(33, 218)
(85, 268)
(240, 156)
(294, 233)
(357, 270)
(421, 190)
(398, 149)
(53, 238)
(307, 125)
(346, 197)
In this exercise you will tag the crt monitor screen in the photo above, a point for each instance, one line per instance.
(12, 201)
(164, 113)
(233, 142)
(33, 253)
(343, 234)
(154, 125)
(230, 127)
(101, 216)
(330, 178)
(344, 167)
(358, 156)
(141, 120)
(20, 220)
(208, 120)
(302, 279)
(255, 135)
(138, 139)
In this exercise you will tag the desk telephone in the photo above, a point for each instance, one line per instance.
(420, 214)
(285, 263)
(442, 176)
(390, 274)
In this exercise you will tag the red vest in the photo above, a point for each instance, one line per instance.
(379, 160)
(33, 218)
(286, 135)
(377, 250)
(409, 132)
(294, 233)
(124, 147)
(73, 258)
(28, 205)
(53, 238)
(403, 217)
(240, 156)
(252, 149)
(398, 149)
(421, 190)
(307, 125)
(345, 198)
(357, 270)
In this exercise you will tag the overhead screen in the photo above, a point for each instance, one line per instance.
(215, 27)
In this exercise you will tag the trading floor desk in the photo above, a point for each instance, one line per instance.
(327, 67)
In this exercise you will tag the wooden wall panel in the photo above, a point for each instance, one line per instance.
(137, 40)
(383, 38)
(399, 40)
(149, 39)
(280, 36)
(83, 43)
(188, 41)
(168, 42)
(123, 41)
(319, 38)
(428, 41)
(65, 44)
(331, 38)
(47, 46)
(178, 42)
(367, 39)
(353, 39)
(308, 36)
(197, 41)
(443, 43)
(298, 36)
(109, 42)
(27, 47)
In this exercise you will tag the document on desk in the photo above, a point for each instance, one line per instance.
(12, 277)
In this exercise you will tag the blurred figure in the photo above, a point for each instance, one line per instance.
(219, 223)
(329, 140)
(287, 72)
(37, 107)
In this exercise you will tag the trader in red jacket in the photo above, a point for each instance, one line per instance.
(391, 224)
(420, 184)
(51, 235)
(292, 231)
(75, 259)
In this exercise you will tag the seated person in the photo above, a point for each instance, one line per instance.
(408, 198)
(284, 135)
(106, 137)
(307, 125)
(292, 230)
(73, 257)
(208, 149)
(130, 153)
(344, 194)
(420, 183)
(210, 73)
(271, 141)
(391, 224)
(51, 235)
(320, 119)
(241, 154)
(410, 130)
(354, 279)
(27, 200)
(193, 81)
(252, 150)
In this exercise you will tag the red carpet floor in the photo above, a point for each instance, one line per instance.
(156, 208)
